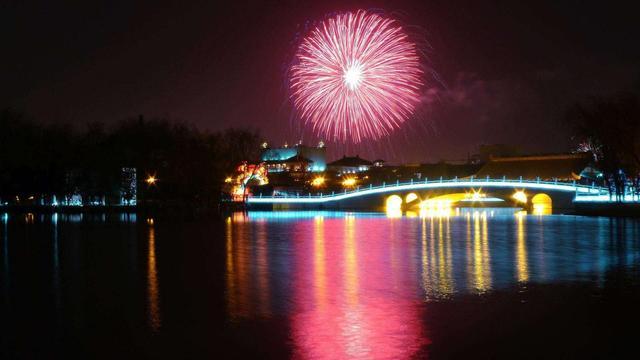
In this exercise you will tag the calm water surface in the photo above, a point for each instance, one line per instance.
(319, 285)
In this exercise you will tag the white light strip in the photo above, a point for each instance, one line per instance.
(425, 185)
(605, 198)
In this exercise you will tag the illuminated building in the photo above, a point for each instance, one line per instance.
(295, 158)
(350, 165)
(128, 186)
(567, 167)
(294, 164)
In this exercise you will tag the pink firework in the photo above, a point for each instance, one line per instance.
(356, 76)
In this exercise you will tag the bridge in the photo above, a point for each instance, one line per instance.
(564, 194)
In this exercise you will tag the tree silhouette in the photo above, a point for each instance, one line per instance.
(613, 126)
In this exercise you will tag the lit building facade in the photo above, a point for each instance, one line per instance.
(128, 186)
(291, 158)
(350, 165)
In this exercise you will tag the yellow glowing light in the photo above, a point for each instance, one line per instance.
(348, 182)
(394, 203)
(151, 179)
(541, 209)
(318, 181)
(520, 196)
(412, 214)
(476, 196)
(542, 204)
(436, 207)
(228, 180)
(391, 213)
(410, 197)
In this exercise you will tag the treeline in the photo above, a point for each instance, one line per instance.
(609, 127)
(189, 164)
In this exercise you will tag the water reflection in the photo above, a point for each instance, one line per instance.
(480, 257)
(5, 257)
(153, 288)
(353, 284)
(522, 265)
(56, 263)
(436, 258)
(343, 305)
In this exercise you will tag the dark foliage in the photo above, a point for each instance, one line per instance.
(189, 164)
(612, 128)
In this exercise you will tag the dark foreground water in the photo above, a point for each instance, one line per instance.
(319, 285)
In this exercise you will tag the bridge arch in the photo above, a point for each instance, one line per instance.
(542, 204)
(411, 197)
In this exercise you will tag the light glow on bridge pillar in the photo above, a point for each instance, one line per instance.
(520, 197)
(394, 202)
(542, 204)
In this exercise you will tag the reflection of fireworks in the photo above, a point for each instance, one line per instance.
(356, 76)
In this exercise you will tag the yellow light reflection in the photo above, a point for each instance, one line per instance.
(481, 256)
(230, 275)
(522, 265)
(262, 269)
(153, 288)
(350, 259)
(411, 197)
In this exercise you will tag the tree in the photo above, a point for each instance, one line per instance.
(611, 126)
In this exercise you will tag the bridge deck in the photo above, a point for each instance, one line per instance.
(579, 190)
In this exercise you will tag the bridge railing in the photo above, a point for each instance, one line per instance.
(579, 188)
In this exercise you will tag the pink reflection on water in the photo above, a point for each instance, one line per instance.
(350, 299)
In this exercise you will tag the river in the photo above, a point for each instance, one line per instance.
(481, 283)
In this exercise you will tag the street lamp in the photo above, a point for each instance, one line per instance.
(520, 196)
(318, 181)
(151, 180)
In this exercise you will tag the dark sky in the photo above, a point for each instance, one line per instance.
(508, 69)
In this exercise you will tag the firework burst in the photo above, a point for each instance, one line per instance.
(356, 76)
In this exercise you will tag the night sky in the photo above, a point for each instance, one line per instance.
(508, 69)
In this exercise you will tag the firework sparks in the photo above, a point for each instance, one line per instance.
(356, 76)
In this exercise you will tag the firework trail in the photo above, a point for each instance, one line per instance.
(356, 76)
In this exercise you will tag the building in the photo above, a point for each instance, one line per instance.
(291, 158)
(488, 151)
(128, 186)
(350, 165)
(546, 167)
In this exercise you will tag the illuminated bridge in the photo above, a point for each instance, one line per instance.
(563, 194)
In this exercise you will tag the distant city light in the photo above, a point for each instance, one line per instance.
(318, 181)
(151, 180)
(228, 180)
(349, 182)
